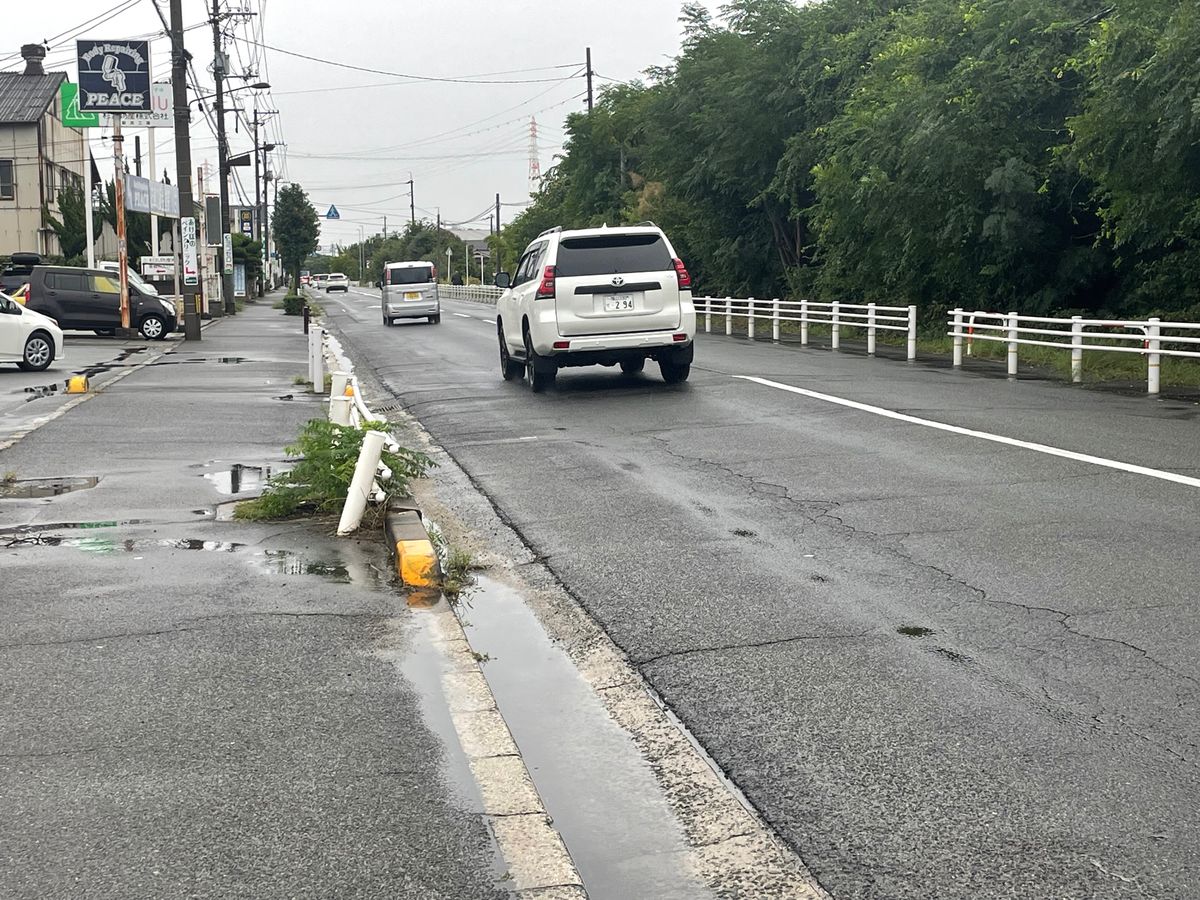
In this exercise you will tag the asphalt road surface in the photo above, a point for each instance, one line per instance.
(940, 664)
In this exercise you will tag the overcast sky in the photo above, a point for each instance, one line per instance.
(461, 142)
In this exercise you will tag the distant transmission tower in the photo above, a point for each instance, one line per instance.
(535, 165)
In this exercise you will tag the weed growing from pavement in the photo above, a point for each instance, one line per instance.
(320, 480)
(458, 568)
(300, 379)
(9, 477)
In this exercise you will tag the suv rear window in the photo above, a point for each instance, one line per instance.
(608, 254)
(410, 275)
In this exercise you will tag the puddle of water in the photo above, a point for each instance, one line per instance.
(238, 478)
(25, 488)
(595, 784)
(914, 631)
(63, 526)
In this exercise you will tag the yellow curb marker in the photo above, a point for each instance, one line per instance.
(78, 384)
(417, 563)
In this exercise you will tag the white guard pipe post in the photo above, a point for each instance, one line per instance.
(750, 318)
(316, 360)
(957, 337)
(1012, 343)
(835, 336)
(1076, 349)
(728, 316)
(362, 483)
(339, 410)
(338, 382)
(708, 315)
(775, 320)
(912, 332)
(1153, 369)
(870, 329)
(804, 322)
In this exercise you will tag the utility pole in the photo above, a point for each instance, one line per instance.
(589, 79)
(412, 201)
(183, 167)
(496, 252)
(137, 155)
(122, 246)
(222, 161)
(385, 228)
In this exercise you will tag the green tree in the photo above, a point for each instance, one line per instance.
(248, 252)
(296, 229)
(71, 229)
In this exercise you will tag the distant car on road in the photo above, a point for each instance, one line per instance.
(304, 279)
(410, 291)
(337, 282)
(90, 300)
(318, 281)
(596, 296)
(28, 338)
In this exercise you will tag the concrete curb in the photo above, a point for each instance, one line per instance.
(416, 558)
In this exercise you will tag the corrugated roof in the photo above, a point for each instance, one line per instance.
(24, 98)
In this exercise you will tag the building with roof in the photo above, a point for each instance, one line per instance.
(39, 155)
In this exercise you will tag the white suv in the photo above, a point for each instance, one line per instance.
(337, 282)
(596, 296)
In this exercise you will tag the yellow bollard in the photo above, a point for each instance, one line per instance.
(78, 384)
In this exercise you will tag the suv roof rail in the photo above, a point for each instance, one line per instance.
(550, 230)
(645, 223)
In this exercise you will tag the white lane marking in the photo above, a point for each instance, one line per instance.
(463, 316)
(982, 435)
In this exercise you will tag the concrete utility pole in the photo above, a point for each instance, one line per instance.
(230, 305)
(183, 167)
(496, 256)
(412, 201)
(589, 79)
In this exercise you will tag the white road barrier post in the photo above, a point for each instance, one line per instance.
(1012, 343)
(835, 336)
(316, 360)
(957, 337)
(1076, 349)
(728, 316)
(912, 332)
(804, 322)
(870, 329)
(362, 483)
(1153, 361)
(750, 318)
(338, 382)
(339, 410)
(775, 320)
(708, 315)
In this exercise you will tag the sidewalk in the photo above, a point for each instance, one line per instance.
(195, 708)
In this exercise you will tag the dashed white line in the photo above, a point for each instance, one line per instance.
(463, 316)
(982, 435)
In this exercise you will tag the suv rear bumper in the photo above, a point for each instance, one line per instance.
(610, 349)
(412, 309)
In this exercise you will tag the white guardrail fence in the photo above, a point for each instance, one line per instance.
(1152, 338)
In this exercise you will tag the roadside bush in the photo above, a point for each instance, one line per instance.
(320, 480)
(293, 305)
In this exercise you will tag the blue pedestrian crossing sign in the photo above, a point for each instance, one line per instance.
(333, 213)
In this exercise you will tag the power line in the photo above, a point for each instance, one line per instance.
(410, 77)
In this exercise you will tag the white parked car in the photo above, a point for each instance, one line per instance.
(596, 296)
(28, 338)
(337, 282)
(410, 291)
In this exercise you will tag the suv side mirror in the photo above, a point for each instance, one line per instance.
(503, 280)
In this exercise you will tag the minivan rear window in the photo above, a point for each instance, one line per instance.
(410, 275)
(610, 253)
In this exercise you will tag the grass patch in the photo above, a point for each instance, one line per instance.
(458, 575)
(319, 482)
(9, 477)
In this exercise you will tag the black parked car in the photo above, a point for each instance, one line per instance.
(90, 300)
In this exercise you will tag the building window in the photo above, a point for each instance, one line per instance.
(8, 185)
(51, 183)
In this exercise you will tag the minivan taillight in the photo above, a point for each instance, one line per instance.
(433, 273)
(545, 290)
(685, 280)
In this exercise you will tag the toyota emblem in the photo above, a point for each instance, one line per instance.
(618, 281)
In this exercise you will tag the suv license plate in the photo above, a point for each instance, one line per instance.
(412, 295)
(618, 302)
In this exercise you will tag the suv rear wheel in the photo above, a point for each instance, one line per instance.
(674, 373)
(542, 371)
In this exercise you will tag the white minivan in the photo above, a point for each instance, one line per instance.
(410, 291)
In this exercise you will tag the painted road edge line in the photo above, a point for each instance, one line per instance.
(1132, 468)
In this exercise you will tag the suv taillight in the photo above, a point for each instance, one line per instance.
(433, 269)
(685, 280)
(545, 290)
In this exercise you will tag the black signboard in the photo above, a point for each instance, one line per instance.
(114, 76)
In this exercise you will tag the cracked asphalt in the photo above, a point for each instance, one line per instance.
(939, 667)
